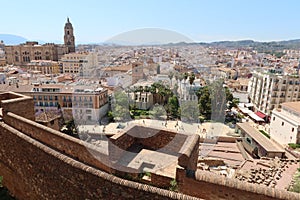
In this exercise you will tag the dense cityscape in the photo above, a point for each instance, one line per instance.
(162, 121)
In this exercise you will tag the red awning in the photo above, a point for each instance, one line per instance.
(260, 114)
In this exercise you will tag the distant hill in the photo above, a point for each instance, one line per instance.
(259, 46)
(10, 39)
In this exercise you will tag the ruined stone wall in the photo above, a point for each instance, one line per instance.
(34, 171)
(210, 186)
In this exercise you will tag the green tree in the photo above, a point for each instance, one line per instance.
(192, 78)
(171, 75)
(189, 111)
(120, 107)
(185, 75)
(158, 69)
(205, 102)
(158, 112)
(213, 100)
(172, 107)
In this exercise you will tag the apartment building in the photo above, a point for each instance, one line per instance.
(268, 89)
(89, 103)
(82, 63)
(285, 123)
(43, 67)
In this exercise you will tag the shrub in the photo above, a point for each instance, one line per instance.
(174, 186)
(294, 146)
(264, 133)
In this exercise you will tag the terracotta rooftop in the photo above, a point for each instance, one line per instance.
(123, 68)
(47, 116)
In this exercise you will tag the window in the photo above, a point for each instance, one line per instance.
(88, 112)
(282, 123)
(273, 118)
(55, 98)
(293, 129)
(248, 140)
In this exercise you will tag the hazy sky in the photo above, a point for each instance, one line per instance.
(199, 20)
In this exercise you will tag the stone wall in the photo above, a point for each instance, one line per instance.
(118, 144)
(12, 102)
(68, 145)
(210, 186)
(34, 171)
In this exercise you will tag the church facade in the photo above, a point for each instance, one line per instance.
(23, 54)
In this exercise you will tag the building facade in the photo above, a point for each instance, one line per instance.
(267, 90)
(43, 67)
(82, 63)
(285, 123)
(89, 103)
(24, 53)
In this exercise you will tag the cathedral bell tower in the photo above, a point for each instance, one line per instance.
(69, 39)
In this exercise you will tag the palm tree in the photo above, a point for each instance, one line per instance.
(185, 76)
(140, 89)
(171, 74)
(146, 89)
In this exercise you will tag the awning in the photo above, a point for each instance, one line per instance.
(260, 114)
(244, 110)
(255, 117)
(248, 105)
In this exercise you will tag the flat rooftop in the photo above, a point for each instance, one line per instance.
(226, 151)
(151, 161)
(267, 144)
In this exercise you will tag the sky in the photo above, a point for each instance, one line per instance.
(200, 20)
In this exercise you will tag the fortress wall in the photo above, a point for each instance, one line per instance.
(210, 186)
(68, 145)
(12, 102)
(34, 171)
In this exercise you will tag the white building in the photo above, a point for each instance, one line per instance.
(82, 63)
(267, 90)
(285, 123)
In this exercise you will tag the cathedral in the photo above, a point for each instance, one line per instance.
(24, 53)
